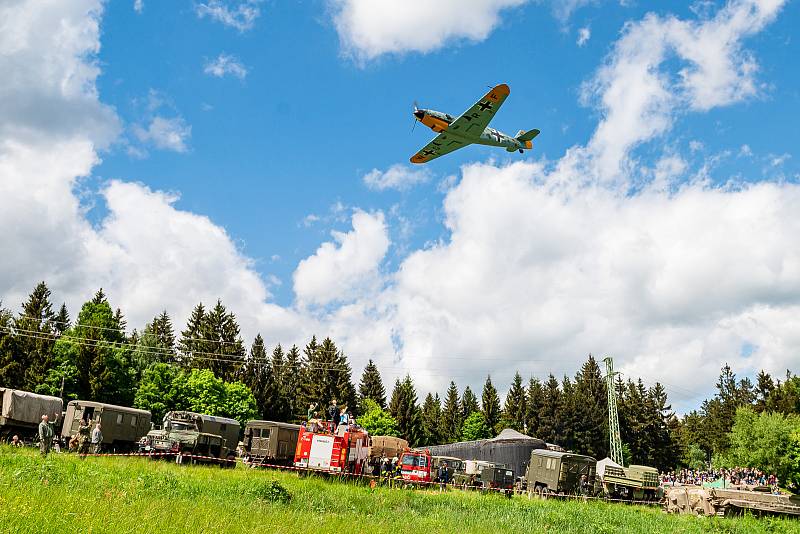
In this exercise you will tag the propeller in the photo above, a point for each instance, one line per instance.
(414, 125)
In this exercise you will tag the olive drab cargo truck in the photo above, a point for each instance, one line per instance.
(22, 411)
(191, 437)
(270, 442)
(122, 427)
(560, 473)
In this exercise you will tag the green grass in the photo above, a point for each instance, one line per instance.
(66, 494)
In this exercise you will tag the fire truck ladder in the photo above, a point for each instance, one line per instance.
(613, 418)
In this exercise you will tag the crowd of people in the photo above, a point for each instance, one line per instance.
(737, 476)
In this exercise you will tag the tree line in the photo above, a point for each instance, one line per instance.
(207, 368)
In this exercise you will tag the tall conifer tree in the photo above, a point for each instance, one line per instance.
(534, 406)
(371, 386)
(431, 415)
(35, 336)
(515, 410)
(405, 410)
(469, 404)
(451, 420)
(490, 406)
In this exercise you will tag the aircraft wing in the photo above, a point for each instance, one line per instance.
(442, 144)
(473, 121)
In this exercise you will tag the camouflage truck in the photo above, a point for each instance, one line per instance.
(191, 437)
(122, 426)
(269, 442)
(22, 411)
(635, 482)
(560, 473)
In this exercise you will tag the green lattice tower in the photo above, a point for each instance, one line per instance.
(614, 437)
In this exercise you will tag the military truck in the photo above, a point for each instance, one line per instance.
(22, 411)
(191, 437)
(497, 478)
(559, 473)
(122, 427)
(269, 442)
(454, 466)
(635, 482)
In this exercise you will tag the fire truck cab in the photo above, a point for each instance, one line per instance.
(415, 465)
(343, 451)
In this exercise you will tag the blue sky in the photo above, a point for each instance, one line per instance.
(297, 134)
(654, 219)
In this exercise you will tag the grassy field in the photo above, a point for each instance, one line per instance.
(65, 494)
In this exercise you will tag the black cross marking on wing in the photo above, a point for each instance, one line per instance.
(485, 105)
(428, 152)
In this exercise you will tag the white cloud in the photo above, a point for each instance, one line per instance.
(370, 28)
(240, 15)
(225, 64)
(165, 133)
(745, 151)
(400, 177)
(640, 99)
(583, 36)
(138, 6)
(344, 269)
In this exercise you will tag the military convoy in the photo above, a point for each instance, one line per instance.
(191, 437)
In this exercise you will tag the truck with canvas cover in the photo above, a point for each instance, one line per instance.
(560, 473)
(22, 411)
(344, 449)
(192, 437)
(269, 442)
(122, 426)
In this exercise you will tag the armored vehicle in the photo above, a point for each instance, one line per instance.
(122, 427)
(560, 473)
(636, 482)
(22, 411)
(192, 437)
(269, 442)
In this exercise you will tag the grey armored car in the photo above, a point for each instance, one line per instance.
(191, 437)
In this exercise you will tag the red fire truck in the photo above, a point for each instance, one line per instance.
(343, 451)
(415, 466)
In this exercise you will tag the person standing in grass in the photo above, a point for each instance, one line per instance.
(97, 439)
(45, 436)
(84, 439)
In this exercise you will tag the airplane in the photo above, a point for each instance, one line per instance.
(472, 127)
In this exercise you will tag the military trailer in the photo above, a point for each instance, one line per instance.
(122, 427)
(497, 478)
(22, 411)
(270, 442)
(191, 437)
(635, 482)
(560, 473)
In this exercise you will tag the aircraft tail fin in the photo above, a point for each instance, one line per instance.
(522, 135)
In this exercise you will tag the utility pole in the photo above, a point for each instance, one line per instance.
(614, 437)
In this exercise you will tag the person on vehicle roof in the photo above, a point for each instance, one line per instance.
(333, 413)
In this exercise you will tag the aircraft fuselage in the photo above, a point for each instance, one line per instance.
(440, 122)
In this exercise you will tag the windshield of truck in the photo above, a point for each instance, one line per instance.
(415, 460)
(181, 425)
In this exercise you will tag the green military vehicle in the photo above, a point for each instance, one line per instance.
(191, 437)
(269, 442)
(560, 473)
(635, 482)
